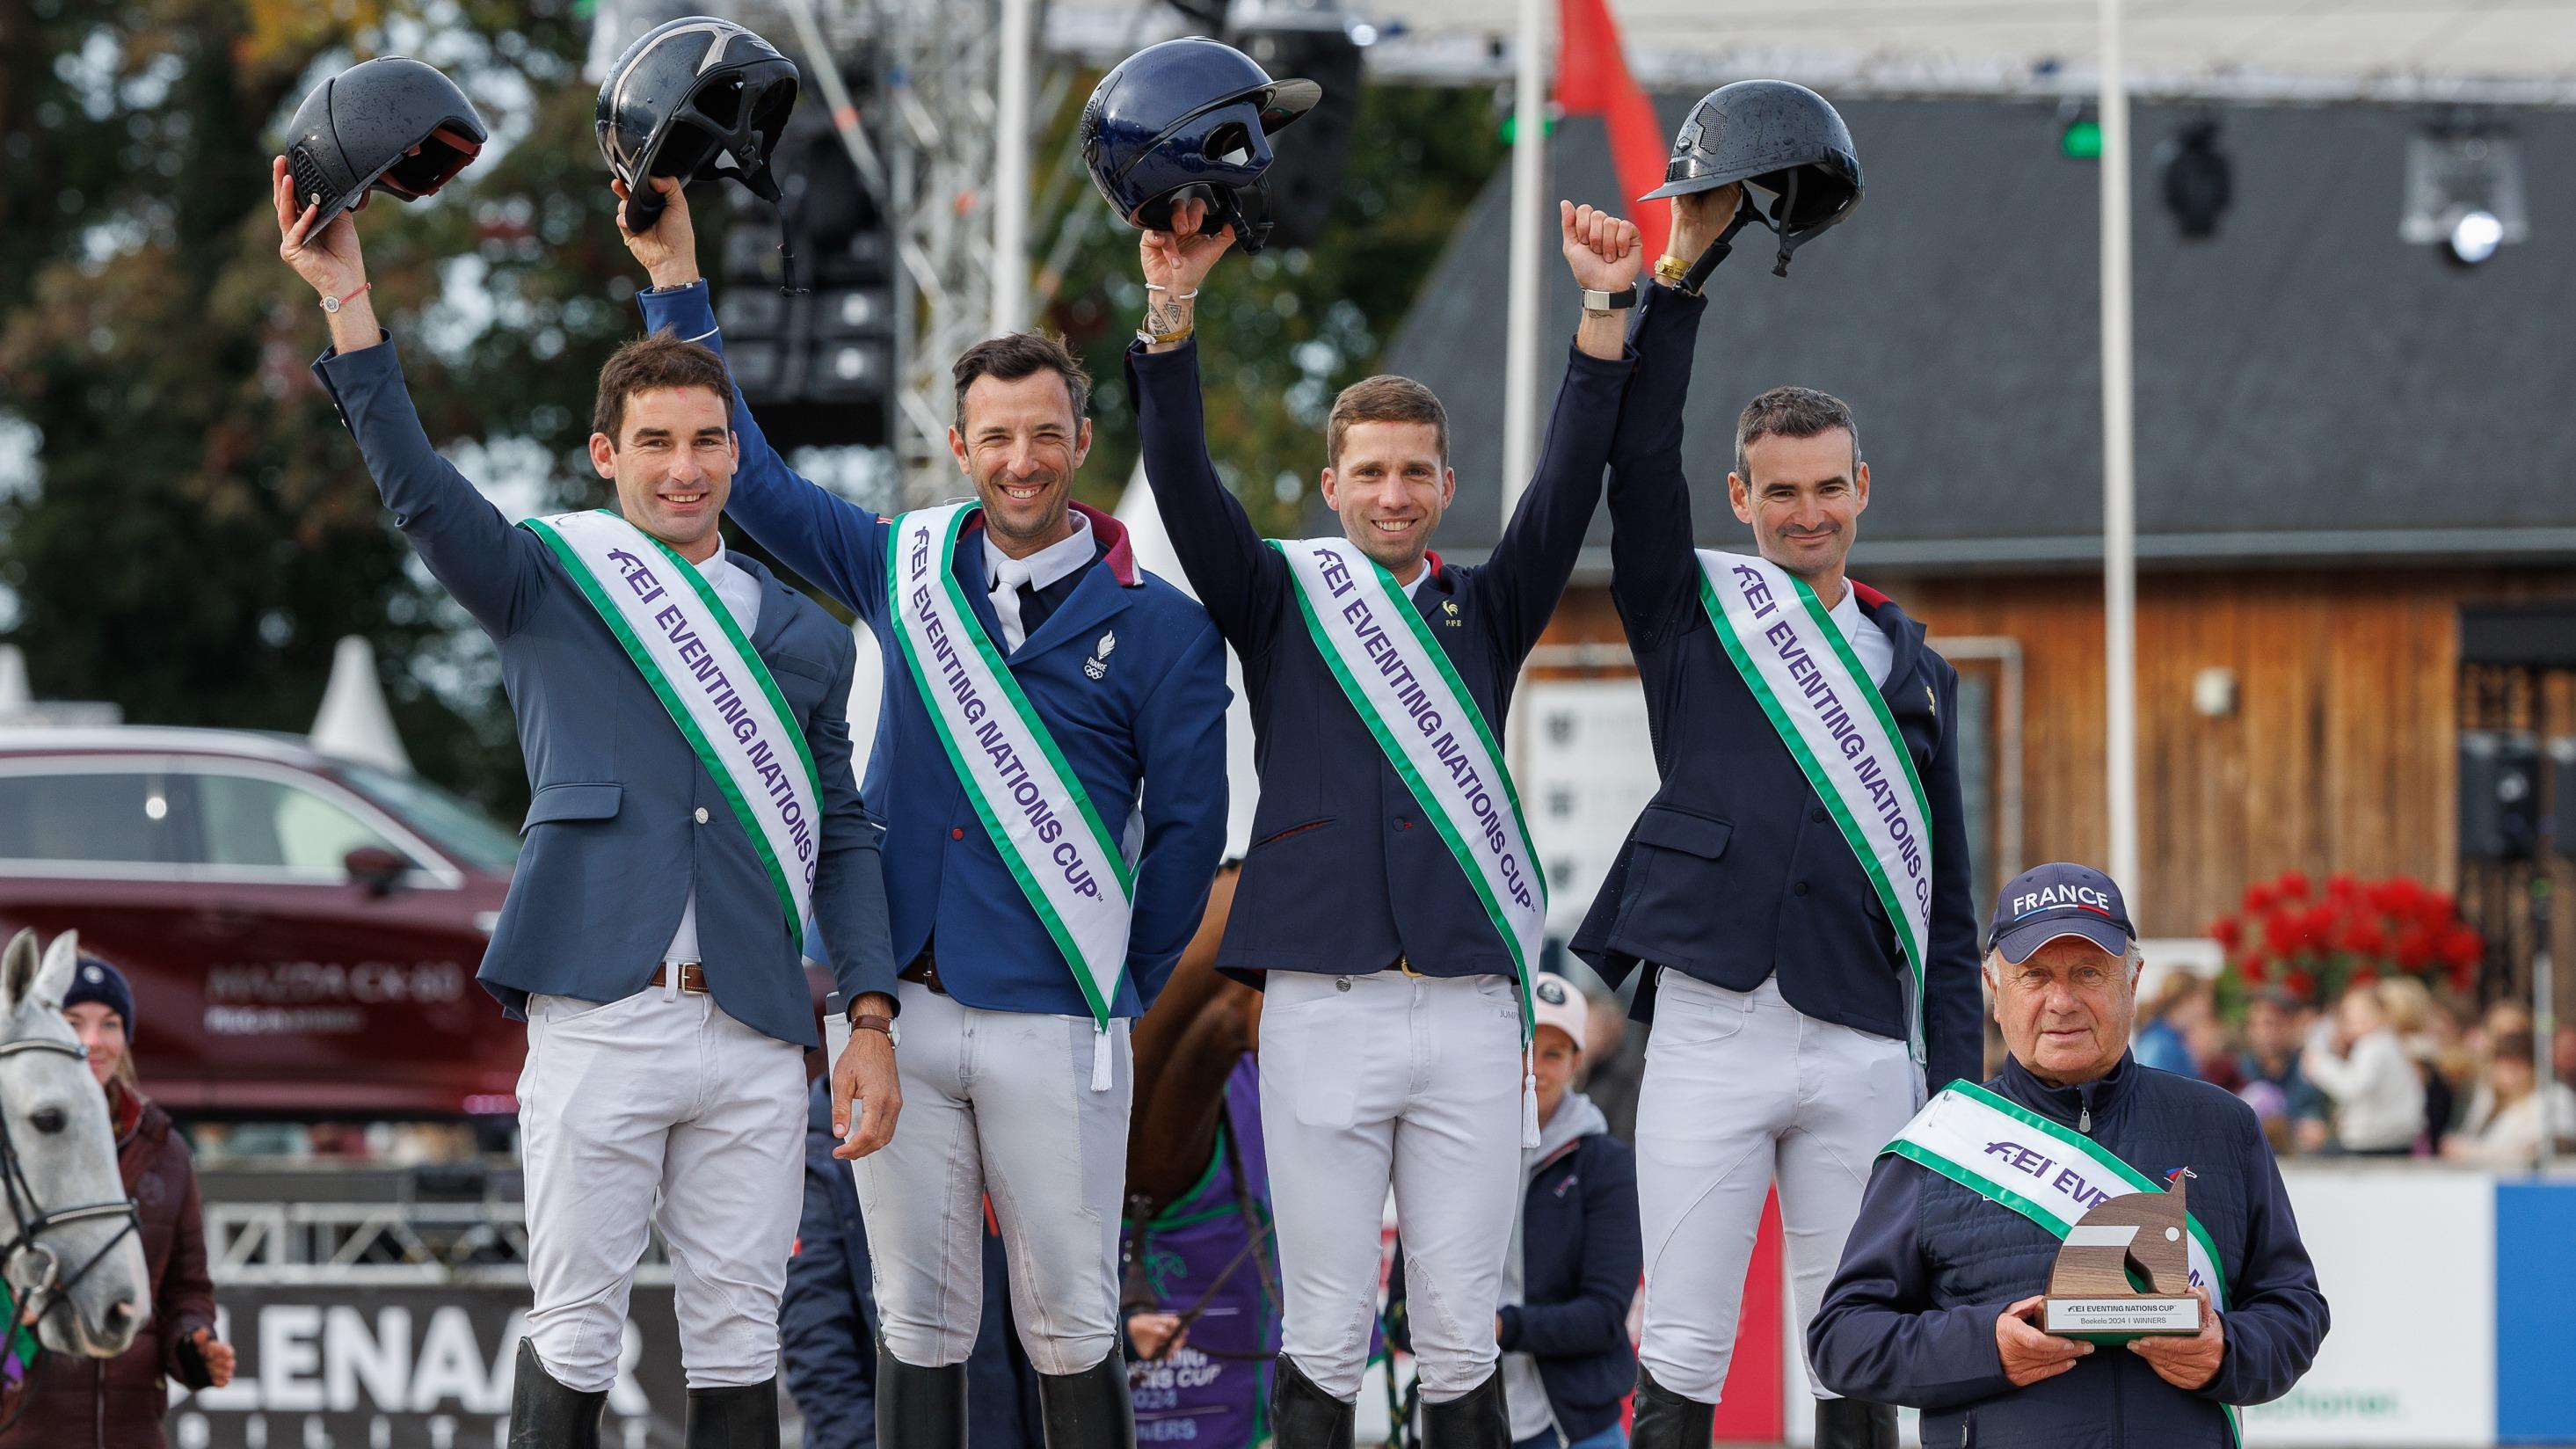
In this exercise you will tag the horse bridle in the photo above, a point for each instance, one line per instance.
(49, 1289)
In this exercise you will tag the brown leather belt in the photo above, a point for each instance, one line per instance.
(924, 971)
(693, 977)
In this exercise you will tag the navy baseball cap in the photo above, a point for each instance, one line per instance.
(2060, 899)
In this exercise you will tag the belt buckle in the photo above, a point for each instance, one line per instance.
(1404, 966)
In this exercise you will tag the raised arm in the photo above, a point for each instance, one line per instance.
(1528, 569)
(838, 546)
(491, 568)
(1242, 582)
(1181, 740)
(1654, 577)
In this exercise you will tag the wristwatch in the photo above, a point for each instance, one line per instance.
(871, 1021)
(1618, 301)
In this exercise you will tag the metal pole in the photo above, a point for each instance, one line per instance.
(2544, 1007)
(1011, 170)
(2119, 479)
(1529, 180)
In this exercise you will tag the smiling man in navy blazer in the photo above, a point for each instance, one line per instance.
(1804, 995)
(1375, 904)
(1064, 728)
(651, 935)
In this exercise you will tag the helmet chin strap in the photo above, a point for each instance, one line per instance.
(1780, 214)
(764, 184)
(1745, 214)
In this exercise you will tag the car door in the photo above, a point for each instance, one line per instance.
(323, 992)
(97, 844)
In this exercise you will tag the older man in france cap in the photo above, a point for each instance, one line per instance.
(1938, 1300)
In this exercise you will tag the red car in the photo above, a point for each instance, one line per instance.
(301, 931)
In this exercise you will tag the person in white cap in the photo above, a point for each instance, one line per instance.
(1575, 1259)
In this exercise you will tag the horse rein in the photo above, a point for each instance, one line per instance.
(49, 1289)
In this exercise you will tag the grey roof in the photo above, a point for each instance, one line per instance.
(2307, 384)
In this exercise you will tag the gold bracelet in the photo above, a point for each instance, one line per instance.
(1671, 270)
(1163, 339)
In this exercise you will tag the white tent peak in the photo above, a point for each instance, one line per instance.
(14, 694)
(354, 722)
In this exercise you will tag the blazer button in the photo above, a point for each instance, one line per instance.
(1817, 815)
(1799, 889)
(702, 815)
(956, 832)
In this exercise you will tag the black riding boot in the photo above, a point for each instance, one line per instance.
(1089, 1410)
(744, 1417)
(1302, 1415)
(1851, 1424)
(920, 1408)
(1666, 1420)
(1476, 1419)
(546, 1415)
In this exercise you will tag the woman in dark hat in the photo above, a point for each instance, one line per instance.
(119, 1403)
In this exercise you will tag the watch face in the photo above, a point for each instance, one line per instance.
(330, 304)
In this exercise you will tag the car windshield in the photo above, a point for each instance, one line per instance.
(453, 825)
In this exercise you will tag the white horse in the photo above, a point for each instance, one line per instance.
(68, 1245)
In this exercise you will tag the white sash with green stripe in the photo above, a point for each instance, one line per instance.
(2046, 1171)
(1401, 682)
(1032, 804)
(710, 679)
(1803, 671)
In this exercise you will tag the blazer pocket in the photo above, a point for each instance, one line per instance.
(792, 664)
(1672, 828)
(572, 802)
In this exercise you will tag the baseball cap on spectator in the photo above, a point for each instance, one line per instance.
(1559, 1003)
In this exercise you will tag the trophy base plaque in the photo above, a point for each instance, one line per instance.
(2117, 1319)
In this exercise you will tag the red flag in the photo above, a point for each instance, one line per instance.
(1592, 79)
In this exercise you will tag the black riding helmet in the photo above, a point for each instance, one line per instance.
(694, 98)
(388, 124)
(1774, 136)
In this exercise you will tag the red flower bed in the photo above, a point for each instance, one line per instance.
(2313, 943)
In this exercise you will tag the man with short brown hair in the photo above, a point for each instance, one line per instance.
(1390, 903)
(682, 717)
(1050, 763)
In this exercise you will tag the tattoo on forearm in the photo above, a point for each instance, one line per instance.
(1163, 318)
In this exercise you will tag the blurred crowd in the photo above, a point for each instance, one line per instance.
(2388, 1070)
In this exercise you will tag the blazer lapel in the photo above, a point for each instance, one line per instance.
(777, 604)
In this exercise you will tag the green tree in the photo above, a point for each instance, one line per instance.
(200, 529)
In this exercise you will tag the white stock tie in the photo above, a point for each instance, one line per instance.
(1009, 574)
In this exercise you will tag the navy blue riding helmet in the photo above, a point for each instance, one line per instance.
(1189, 119)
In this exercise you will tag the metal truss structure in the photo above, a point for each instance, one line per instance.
(386, 1244)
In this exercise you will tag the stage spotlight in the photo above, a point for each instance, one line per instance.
(2198, 181)
(2474, 237)
(2464, 194)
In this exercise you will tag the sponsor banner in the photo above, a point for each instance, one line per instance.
(371, 1367)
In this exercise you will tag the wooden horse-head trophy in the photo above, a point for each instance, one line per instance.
(2092, 1291)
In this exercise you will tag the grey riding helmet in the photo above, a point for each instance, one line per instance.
(390, 124)
(1777, 137)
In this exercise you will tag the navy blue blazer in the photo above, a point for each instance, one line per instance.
(1150, 721)
(827, 1319)
(1734, 871)
(1910, 1315)
(1344, 875)
(624, 818)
